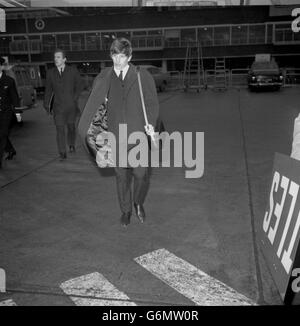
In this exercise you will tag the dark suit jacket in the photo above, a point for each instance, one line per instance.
(65, 91)
(9, 97)
(133, 112)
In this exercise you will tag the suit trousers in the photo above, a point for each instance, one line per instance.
(5, 122)
(9, 146)
(61, 136)
(124, 176)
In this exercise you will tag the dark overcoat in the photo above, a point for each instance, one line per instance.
(133, 109)
(63, 91)
(9, 97)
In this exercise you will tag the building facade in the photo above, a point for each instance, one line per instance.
(158, 36)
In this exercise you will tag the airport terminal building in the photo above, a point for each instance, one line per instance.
(159, 35)
(230, 235)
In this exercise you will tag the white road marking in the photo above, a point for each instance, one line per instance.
(8, 302)
(2, 280)
(97, 288)
(191, 282)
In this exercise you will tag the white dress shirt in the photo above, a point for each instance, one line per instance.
(125, 69)
(61, 69)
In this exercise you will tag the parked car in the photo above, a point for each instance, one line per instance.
(36, 75)
(26, 91)
(161, 78)
(265, 74)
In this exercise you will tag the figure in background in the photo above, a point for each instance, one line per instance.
(63, 88)
(9, 99)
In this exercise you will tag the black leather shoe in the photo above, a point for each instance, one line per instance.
(72, 149)
(140, 212)
(10, 155)
(62, 156)
(125, 219)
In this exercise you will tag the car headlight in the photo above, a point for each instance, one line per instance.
(280, 77)
(253, 77)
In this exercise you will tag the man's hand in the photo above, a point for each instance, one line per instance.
(151, 132)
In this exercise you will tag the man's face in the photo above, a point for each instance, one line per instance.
(120, 60)
(59, 59)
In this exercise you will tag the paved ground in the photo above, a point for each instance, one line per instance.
(60, 221)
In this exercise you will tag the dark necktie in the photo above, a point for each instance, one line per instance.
(121, 75)
(61, 72)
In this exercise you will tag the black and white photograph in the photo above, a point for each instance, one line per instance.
(149, 155)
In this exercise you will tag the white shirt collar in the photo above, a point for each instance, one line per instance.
(124, 71)
(61, 68)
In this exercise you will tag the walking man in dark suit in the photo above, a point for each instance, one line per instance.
(8, 100)
(63, 88)
(119, 84)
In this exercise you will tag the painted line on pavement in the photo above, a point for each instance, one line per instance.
(94, 290)
(8, 302)
(190, 281)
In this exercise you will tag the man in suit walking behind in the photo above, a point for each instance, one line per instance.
(8, 100)
(63, 88)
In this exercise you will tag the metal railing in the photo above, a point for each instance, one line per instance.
(234, 77)
(21, 46)
(291, 76)
(210, 77)
(143, 42)
(149, 42)
(176, 80)
(210, 35)
(238, 77)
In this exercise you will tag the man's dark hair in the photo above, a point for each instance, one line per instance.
(2, 61)
(63, 52)
(121, 45)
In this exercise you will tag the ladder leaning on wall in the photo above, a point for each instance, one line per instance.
(193, 75)
(220, 82)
